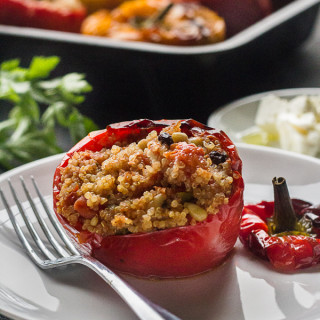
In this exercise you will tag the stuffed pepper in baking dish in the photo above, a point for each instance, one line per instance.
(157, 21)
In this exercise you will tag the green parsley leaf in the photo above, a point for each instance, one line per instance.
(41, 67)
(29, 134)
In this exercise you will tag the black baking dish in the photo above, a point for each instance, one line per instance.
(135, 80)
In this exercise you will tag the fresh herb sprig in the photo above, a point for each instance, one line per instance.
(27, 133)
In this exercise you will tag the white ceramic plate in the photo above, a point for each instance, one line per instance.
(239, 115)
(243, 288)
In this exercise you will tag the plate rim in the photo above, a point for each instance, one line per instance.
(30, 165)
(55, 158)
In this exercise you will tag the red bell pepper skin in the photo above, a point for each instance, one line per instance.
(239, 14)
(41, 14)
(277, 4)
(285, 253)
(175, 252)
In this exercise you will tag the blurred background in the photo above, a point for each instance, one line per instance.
(130, 83)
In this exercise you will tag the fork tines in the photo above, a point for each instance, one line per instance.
(58, 253)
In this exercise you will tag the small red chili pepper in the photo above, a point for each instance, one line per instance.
(53, 15)
(286, 232)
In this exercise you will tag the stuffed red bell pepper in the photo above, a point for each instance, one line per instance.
(61, 15)
(153, 198)
(286, 232)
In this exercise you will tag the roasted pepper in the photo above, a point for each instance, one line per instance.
(285, 232)
(239, 14)
(157, 21)
(174, 252)
(61, 15)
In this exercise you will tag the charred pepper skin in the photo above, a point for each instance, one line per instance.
(286, 253)
(41, 14)
(176, 252)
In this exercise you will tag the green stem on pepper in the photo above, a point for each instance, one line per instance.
(284, 220)
(155, 19)
(284, 216)
(159, 17)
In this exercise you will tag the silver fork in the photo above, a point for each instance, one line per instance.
(70, 254)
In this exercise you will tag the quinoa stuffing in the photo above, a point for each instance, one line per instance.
(162, 181)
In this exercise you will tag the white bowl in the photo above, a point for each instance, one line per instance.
(239, 115)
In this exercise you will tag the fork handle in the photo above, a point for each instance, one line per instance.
(141, 306)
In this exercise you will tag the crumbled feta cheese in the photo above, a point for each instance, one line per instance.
(299, 105)
(268, 111)
(294, 124)
(298, 134)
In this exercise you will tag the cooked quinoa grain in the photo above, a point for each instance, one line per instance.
(162, 181)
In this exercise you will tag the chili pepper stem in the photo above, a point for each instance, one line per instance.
(284, 217)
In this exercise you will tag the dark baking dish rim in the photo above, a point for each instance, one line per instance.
(246, 36)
